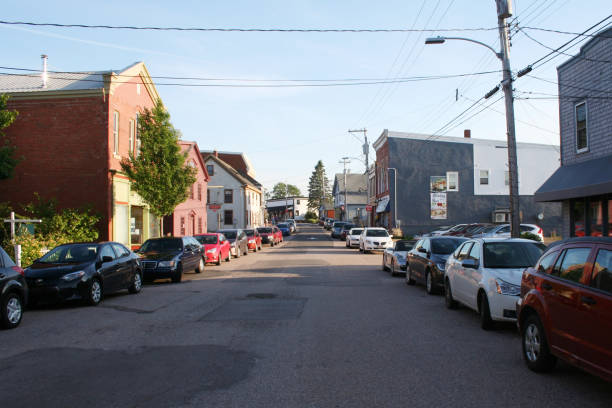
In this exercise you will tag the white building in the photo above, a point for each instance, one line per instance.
(289, 207)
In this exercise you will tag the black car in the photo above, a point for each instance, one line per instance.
(345, 230)
(426, 261)
(13, 292)
(83, 271)
(337, 229)
(169, 257)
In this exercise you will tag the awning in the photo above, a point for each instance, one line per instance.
(590, 178)
(383, 205)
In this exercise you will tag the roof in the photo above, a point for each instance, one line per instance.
(249, 181)
(356, 183)
(589, 178)
(603, 35)
(186, 146)
(603, 240)
(237, 160)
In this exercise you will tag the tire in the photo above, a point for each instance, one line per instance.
(136, 285)
(219, 259)
(429, 287)
(392, 269)
(536, 353)
(178, 275)
(246, 250)
(409, 280)
(486, 323)
(12, 311)
(200, 267)
(229, 257)
(255, 250)
(384, 266)
(448, 296)
(94, 294)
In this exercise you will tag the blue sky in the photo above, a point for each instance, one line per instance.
(285, 131)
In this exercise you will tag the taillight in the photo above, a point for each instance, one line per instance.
(540, 231)
(19, 270)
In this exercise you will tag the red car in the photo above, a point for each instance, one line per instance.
(278, 234)
(268, 236)
(565, 308)
(253, 239)
(216, 247)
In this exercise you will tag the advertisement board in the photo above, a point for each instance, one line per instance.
(438, 206)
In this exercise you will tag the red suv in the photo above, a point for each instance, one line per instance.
(253, 239)
(268, 236)
(565, 308)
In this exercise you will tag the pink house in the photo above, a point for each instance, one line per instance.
(189, 217)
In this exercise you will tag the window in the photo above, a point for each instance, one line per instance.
(596, 218)
(578, 218)
(120, 250)
(191, 191)
(297, 212)
(132, 134)
(602, 271)
(137, 135)
(452, 181)
(182, 225)
(228, 217)
(298, 202)
(506, 178)
(484, 177)
(116, 132)
(199, 192)
(106, 250)
(465, 249)
(547, 263)
(199, 225)
(582, 141)
(573, 264)
(426, 245)
(475, 253)
(210, 169)
(229, 197)
(207, 195)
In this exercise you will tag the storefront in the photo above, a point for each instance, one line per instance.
(383, 212)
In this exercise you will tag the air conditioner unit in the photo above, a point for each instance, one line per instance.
(499, 218)
(500, 215)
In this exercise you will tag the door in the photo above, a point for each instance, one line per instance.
(422, 260)
(473, 276)
(459, 284)
(189, 257)
(125, 270)
(109, 270)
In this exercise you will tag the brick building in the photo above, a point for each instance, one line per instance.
(583, 182)
(72, 131)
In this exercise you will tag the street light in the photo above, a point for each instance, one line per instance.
(504, 10)
(394, 195)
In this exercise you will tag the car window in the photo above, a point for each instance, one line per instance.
(356, 231)
(71, 254)
(545, 265)
(465, 249)
(106, 250)
(426, 245)
(444, 246)
(403, 246)
(511, 254)
(504, 230)
(525, 228)
(602, 271)
(475, 252)
(120, 250)
(573, 264)
(377, 233)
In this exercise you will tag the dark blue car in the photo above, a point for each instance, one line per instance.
(284, 227)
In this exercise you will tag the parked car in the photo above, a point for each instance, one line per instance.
(238, 241)
(440, 230)
(85, 271)
(352, 238)
(13, 292)
(484, 274)
(503, 231)
(329, 223)
(395, 256)
(284, 228)
(476, 229)
(374, 238)
(292, 224)
(216, 247)
(345, 229)
(427, 260)
(336, 230)
(169, 257)
(565, 308)
(253, 239)
(455, 229)
(267, 235)
(278, 234)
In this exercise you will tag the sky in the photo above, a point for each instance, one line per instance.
(285, 130)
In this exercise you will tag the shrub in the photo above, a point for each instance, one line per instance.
(529, 235)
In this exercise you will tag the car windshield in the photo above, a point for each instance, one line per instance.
(489, 229)
(282, 225)
(512, 254)
(403, 245)
(75, 253)
(338, 224)
(356, 231)
(249, 232)
(444, 246)
(162, 245)
(229, 234)
(348, 226)
(264, 230)
(206, 239)
(377, 233)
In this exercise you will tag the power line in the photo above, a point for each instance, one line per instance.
(583, 34)
(561, 52)
(565, 83)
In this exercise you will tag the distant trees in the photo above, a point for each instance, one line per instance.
(282, 190)
(318, 187)
(8, 161)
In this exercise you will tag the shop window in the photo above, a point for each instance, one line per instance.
(122, 224)
(578, 218)
(136, 224)
(229, 197)
(582, 141)
(228, 217)
(154, 226)
(596, 218)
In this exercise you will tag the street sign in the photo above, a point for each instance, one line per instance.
(368, 208)
(214, 207)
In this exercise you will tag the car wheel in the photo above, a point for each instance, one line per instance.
(178, 275)
(392, 269)
(536, 353)
(486, 323)
(246, 251)
(384, 265)
(255, 250)
(136, 285)
(409, 280)
(237, 253)
(229, 257)
(12, 310)
(200, 267)
(448, 296)
(94, 295)
(219, 259)
(429, 283)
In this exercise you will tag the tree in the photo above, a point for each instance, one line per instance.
(8, 161)
(318, 187)
(282, 190)
(158, 171)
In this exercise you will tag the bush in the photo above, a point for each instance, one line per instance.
(311, 217)
(529, 235)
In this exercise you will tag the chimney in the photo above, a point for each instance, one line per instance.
(216, 153)
(44, 70)
(467, 133)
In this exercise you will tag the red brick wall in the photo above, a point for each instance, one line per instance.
(382, 163)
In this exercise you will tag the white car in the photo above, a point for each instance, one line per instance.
(503, 231)
(352, 238)
(485, 274)
(372, 239)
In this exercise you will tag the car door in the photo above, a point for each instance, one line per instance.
(188, 255)
(125, 265)
(595, 330)
(458, 280)
(411, 259)
(561, 292)
(473, 276)
(109, 269)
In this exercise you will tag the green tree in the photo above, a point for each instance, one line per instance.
(318, 187)
(158, 172)
(8, 161)
(282, 190)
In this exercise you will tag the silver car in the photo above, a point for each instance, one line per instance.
(395, 256)
(238, 241)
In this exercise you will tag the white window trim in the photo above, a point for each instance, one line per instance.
(132, 135)
(488, 177)
(586, 121)
(456, 173)
(115, 133)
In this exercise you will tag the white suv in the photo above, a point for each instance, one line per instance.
(372, 239)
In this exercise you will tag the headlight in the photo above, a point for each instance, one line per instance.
(72, 276)
(166, 264)
(211, 251)
(251, 241)
(505, 288)
(441, 266)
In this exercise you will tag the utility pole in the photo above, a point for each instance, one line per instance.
(365, 146)
(504, 10)
(345, 161)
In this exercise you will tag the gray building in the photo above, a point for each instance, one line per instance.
(583, 182)
(350, 202)
(437, 181)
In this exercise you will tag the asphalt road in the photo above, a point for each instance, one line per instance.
(306, 324)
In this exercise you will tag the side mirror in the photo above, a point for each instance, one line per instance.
(107, 259)
(423, 250)
(470, 263)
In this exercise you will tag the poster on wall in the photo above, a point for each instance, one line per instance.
(437, 184)
(438, 206)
